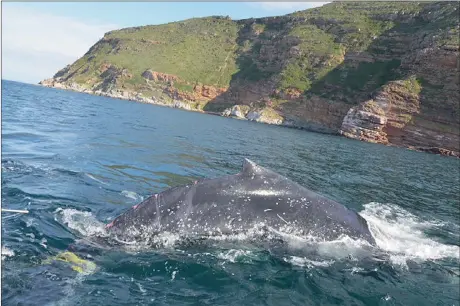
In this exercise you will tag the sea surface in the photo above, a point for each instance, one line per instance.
(76, 161)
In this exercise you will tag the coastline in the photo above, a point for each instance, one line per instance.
(233, 112)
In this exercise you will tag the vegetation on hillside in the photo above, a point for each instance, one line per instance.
(342, 50)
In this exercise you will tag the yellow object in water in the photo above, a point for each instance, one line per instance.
(78, 264)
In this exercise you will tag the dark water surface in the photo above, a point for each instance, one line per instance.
(76, 161)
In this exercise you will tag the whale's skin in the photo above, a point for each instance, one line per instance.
(235, 203)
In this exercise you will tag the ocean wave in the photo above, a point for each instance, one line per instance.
(400, 233)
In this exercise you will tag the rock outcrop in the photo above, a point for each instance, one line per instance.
(265, 115)
(159, 77)
(393, 106)
(237, 111)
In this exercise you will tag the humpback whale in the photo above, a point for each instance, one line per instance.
(235, 203)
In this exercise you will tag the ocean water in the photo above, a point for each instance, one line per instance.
(76, 161)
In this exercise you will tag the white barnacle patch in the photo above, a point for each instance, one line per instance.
(256, 192)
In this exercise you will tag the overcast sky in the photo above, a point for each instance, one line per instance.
(38, 39)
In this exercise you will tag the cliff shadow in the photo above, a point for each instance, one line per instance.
(263, 56)
(259, 58)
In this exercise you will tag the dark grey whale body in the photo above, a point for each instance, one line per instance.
(236, 203)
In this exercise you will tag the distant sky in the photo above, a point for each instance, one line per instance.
(38, 39)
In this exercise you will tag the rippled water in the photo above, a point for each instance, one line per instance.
(76, 161)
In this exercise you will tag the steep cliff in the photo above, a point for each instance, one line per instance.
(385, 72)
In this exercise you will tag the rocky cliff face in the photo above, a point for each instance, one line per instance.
(383, 72)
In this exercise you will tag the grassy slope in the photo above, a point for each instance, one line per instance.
(196, 50)
(216, 51)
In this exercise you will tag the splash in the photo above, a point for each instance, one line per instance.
(400, 233)
(82, 222)
(6, 253)
(308, 263)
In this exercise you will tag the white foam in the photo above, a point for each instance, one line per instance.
(305, 262)
(400, 233)
(234, 255)
(132, 195)
(357, 270)
(141, 289)
(166, 239)
(7, 252)
(30, 222)
(387, 297)
(344, 247)
(82, 222)
(43, 243)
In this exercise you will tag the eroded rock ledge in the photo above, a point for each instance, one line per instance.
(393, 116)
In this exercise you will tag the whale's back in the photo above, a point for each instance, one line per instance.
(237, 202)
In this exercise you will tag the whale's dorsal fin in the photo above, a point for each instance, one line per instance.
(250, 167)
